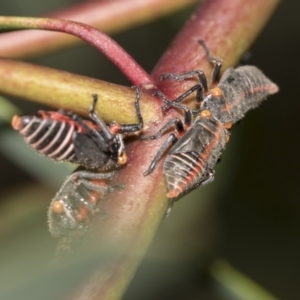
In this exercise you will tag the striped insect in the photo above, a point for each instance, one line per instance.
(197, 145)
(77, 201)
(64, 136)
(196, 149)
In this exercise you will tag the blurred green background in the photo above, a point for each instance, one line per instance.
(249, 216)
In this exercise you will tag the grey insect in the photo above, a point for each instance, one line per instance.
(196, 145)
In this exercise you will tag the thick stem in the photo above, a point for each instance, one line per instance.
(228, 29)
(135, 212)
(72, 92)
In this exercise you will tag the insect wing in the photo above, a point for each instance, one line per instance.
(87, 153)
(64, 208)
(194, 155)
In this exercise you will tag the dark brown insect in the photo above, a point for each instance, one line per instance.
(97, 147)
(77, 201)
(197, 145)
(64, 136)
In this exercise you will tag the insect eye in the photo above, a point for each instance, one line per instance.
(16, 122)
(216, 92)
(58, 207)
(122, 159)
(228, 125)
(205, 114)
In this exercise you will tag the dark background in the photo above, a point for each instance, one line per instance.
(249, 216)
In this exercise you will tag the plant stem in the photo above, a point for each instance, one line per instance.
(228, 28)
(111, 49)
(72, 92)
(135, 212)
(110, 16)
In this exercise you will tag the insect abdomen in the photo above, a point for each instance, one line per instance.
(244, 88)
(50, 137)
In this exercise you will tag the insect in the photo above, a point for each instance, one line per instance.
(197, 144)
(237, 91)
(64, 136)
(77, 201)
(95, 146)
(196, 149)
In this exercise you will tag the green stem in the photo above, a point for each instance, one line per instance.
(134, 214)
(237, 284)
(72, 92)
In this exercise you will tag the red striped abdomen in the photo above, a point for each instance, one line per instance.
(49, 133)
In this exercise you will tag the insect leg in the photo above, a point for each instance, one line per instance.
(103, 189)
(180, 77)
(169, 141)
(210, 177)
(175, 103)
(128, 128)
(83, 179)
(176, 122)
(168, 103)
(101, 141)
(217, 62)
(91, 175)
(187, 115)
(107, 136)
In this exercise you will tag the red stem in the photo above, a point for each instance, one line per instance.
(228, 28)
(111, 49)
(109, 16)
